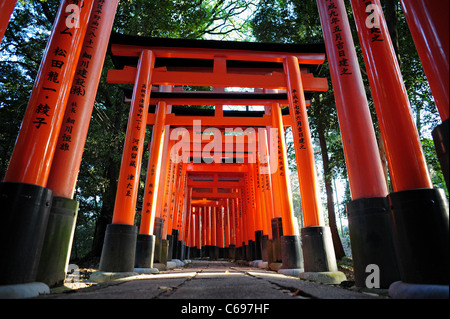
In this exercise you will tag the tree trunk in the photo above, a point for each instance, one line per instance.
(383, 158)
(112, 169)
(391, 21)
(106, 211)
(338, 249)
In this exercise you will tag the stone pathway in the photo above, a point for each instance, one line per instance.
(211, 280)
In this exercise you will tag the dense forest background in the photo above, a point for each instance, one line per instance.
(288, 21)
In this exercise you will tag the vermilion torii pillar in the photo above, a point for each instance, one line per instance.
(187, 224)
(161, 233)
(279, 177)
(204, 223)
(169, 185)
(408, 168)
(304, 153)
(275, 199)
(220, 231)
(25, 202)
(270, 156)
(193, 233)
(244, 223)
(118, 254)
(152, 187)
(368, 211)
(152, 192)
(198, 230)
(48, 100)
(239, 231)
(208, 228)
(145, 244)
(314, 234)
(287, 211)
(179, 208)
(256, 192)
(428, 22)
(419, 212)
(264, 171)
(165, 183)
(159, 224)
(189, 228)
(6, 9)
(169, 203)
(178, 203)
(233, 212)
(69, 148)
(214, 233)
(252, 216)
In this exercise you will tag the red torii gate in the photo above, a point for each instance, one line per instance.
(262, 70)
(54, 129)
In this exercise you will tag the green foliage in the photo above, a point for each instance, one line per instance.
(286, 21)
(178, 19)
(181, 19)
(434, 166)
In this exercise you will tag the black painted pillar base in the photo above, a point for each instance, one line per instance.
(175, 244)
(187, 252)
(119, 248)
(239, 253)
(250, 250)
(169, 247)
(226, 252)
(258, 244)
(270, 251)
(244, 251)
(55, 253)
(232, 252)
(421, 237)
(291, 252)
(440, 137)
(183, 252)
(145, 250)
(318, 250)
(193, 252)
(319, 257)
(215, 252)
(207, 251)
(157, 231)
(264, 247)
(180, 250)
(372, 242)
(277, 232)
(164, 251)
(24, 213)
(202, 251)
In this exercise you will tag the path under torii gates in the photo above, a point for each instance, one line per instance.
(217, 180)
(239, 222)
(201, 280)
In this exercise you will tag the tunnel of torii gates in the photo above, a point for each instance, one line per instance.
(217, 180)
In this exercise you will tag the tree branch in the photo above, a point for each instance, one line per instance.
(45, 8)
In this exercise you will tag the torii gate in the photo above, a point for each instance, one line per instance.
(36, 199)
(219, 64)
